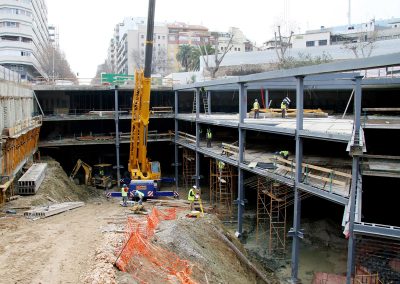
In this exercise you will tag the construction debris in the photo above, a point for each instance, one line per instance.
(46, 211)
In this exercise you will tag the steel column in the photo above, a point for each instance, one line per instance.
(176, 142)
(242, 139)
(117, 143)
(266, 99)
(354, 178)
(197, 138)
(296, 232)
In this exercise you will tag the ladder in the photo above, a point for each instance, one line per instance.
(204, 97)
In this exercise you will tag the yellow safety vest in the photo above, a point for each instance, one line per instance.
(191, 195)
(123, 192)
(283, 105)
(256, 106)
(209, 135)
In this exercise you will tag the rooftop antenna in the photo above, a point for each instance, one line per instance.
(349, 14)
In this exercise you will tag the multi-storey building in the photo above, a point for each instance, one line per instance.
(23, 36)
(127, 47)
(374, 30)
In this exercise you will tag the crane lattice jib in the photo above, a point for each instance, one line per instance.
(139, 166)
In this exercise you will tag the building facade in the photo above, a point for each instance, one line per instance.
(127, 46)
(374, 30)
(23, 36)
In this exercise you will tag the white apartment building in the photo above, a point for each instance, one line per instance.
(23, 36)
(378, 29)
(127, 48)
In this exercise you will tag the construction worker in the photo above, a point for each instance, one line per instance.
(191, 196)
(139, 194)
(124, 194)
(284, 106)
(256, 108)
(209, 137)
(284, 154)
(101, 172)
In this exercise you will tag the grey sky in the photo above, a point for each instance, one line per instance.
(86, 26)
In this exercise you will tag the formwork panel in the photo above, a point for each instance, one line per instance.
(30, 182)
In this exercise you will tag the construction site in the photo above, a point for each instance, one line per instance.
(306, 197)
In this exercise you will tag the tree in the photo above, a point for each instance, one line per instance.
(102, 68)
(218, 57)
(55, 65)
(281, 45)
(184, 56)
(363, 45)
(194, 60)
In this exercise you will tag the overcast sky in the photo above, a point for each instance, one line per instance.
(86, 26)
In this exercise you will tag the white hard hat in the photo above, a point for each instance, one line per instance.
(195, 187)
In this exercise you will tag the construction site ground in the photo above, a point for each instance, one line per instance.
(81, 245)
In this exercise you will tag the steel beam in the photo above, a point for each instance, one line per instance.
(209, 101)
(377, 230)
(323, 194)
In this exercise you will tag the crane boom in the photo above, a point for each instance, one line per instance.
(139, 166)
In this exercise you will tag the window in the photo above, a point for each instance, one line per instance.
(141, 36)
(310, 43)
(323, 42)
(159, 37)
(238, 48)
(142, 44)
(163, 37)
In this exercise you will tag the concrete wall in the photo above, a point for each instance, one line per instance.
(16, 104)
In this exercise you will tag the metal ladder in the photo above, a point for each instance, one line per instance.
(204, 96)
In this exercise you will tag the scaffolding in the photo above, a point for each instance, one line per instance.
(189, 167)
(222, 186)
(272, 200)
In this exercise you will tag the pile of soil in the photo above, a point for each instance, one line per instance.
(195, 240)
(56, 186)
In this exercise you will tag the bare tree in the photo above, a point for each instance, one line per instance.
(159, 62)
(363, 45)
(55, 65)
(218, 57)
(102, 68)
(282, 43)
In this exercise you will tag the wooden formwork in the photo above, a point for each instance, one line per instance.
(15, 151)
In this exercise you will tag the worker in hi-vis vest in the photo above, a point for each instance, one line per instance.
(209, 137)
(256, 108)
(191, 196)
(284, 106)
(124, 194)
(139, 194)
(284, 154)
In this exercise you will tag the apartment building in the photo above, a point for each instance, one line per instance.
(23, 36)
(127, 46)
(373, 30)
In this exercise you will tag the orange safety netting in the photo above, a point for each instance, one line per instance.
(146, 262)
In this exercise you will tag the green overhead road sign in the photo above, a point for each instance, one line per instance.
(109, 78)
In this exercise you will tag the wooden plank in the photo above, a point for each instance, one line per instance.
(334, 181)
(381, 157)
(326, 170)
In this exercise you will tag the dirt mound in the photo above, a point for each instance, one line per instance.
(196, 241)
(56, 186)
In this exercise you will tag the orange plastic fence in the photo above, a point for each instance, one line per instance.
(146, 262)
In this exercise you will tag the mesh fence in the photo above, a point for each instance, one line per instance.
(146, 262)
(380, 257)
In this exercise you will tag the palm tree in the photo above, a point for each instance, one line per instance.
(183, 56)
(197, 53)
